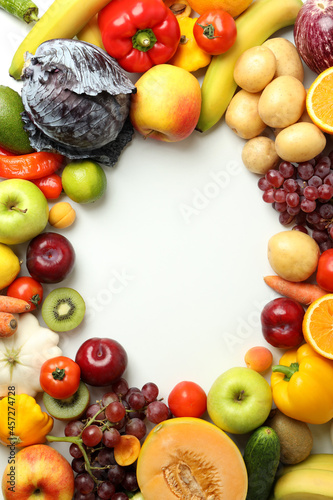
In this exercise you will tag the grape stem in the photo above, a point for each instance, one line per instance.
(78, 441)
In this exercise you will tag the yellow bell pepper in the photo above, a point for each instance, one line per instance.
(189, 55)
(22, 421)
(302, 385)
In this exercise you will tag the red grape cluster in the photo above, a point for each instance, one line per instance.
(302, 194)
(123, 410)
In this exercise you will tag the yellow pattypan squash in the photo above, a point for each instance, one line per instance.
(22, 421)
(189, 55)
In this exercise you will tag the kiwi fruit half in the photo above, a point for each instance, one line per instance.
(71, 408)
(63, 309)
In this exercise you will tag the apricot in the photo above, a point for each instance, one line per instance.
(127, 450)
(62, 215)
(259, 359)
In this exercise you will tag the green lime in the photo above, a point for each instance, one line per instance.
(84, 181)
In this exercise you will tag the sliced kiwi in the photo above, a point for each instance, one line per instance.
(63, 309)
(71, 408)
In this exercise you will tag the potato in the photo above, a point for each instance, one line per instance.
(259, 155)
(242, 115)
(293, 255)
(299, 142)
(282, 102)
(255, 68)
(288, 61)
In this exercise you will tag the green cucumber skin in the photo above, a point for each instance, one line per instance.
(26, 10)
(262, 458)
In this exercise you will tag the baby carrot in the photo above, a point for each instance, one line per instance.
(305, 293)
(13, 305)
(8, 324)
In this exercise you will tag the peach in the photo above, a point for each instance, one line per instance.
(259, 359)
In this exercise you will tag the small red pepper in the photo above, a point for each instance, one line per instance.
(30, 166)
(50, 185)
(139, 33)
(4, 152)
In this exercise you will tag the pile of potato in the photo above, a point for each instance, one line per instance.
(272, 95)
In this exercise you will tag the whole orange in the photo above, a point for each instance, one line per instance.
(233, 7)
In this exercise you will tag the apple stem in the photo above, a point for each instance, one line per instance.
(288, 371)
(16, 209)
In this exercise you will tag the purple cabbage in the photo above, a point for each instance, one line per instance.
(76, 100)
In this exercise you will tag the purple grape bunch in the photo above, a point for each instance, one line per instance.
(302, 194)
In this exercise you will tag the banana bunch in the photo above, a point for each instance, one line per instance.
(311, 479)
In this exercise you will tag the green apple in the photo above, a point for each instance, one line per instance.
(23, 211)
(239, 400)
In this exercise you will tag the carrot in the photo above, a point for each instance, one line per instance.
(8, 324)
(305, 293)
(13, 305)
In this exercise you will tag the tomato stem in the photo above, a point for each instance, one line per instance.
(59, 373)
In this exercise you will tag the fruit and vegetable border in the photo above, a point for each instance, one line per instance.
(91, 77)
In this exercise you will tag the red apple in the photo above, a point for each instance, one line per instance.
(167, 104)
(102, 361)
(38, 471)
(50, 257)
(281, 321)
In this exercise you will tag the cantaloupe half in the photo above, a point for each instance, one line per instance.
(190, 459)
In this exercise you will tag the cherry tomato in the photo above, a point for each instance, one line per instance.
(187, 399)
(50, 185)
(60, 377)
(325, 270)
(28, 289)
(215, 31)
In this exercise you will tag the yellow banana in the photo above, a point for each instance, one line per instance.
(63, 19)
(302, 484)
(91, 33)
(257, 23)
(322, 461)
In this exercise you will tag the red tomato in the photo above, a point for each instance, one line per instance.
(50, 185)
(215, 31)
(325, 270)
(60, 377)
(28, 289)
(187, 399)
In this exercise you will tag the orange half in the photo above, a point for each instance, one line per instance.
(319, 101)
(318, 325)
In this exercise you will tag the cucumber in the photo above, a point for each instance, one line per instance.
(22, 9)
(262, 458)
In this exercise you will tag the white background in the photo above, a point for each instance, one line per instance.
(188, 302)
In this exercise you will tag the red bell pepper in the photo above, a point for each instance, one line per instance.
(139, 33)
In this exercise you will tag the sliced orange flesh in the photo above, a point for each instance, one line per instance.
(319, 101)
(318, 325)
